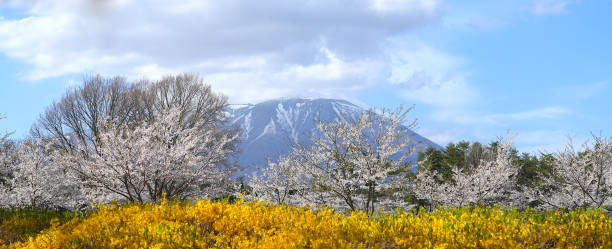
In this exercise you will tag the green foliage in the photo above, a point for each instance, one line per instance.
(533, 167)
(19, 224)
(435, 160)
(467, 156)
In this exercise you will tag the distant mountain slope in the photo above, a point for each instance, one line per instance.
(271, 127)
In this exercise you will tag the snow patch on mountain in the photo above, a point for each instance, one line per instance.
(269, 129)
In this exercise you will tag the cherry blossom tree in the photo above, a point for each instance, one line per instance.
(281, 182)
(6, 154)
(491, 181)
(178, 122)
(76, 119)
(354, 164)
(579, 179)
(37, 181)
(144, 162)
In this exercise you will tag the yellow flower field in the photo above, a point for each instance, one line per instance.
(205, 224)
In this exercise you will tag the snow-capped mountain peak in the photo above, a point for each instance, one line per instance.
(271, 127)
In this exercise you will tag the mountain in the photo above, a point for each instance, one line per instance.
(271, 127)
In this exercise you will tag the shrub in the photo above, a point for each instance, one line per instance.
(205, 224)
(19, 224)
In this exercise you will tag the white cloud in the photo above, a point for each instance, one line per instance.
(430, 7)
(432, 77)
(546, 141)
(255, 80)
(441, 82)
(482, 23)
(465, 117)
(551, 112)
(549, 7)
(250, 49)
(442, 136)
(437, 80)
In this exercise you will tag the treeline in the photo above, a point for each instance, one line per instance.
(467, 155)
(109, 139)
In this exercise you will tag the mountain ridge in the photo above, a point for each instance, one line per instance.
(271, 127)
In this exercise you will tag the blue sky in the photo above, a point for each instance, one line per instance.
(473, 69)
